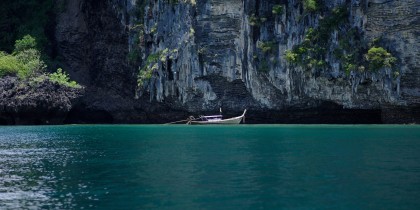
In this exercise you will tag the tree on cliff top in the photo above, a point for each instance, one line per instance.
(26, 43)
(25, 60)
(20, 17)
(26, 63)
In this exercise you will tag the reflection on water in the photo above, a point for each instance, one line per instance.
(33, 163)
(183, 167)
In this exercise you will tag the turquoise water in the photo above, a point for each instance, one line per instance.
(210, 167)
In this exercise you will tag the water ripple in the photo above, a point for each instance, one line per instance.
(183, 167)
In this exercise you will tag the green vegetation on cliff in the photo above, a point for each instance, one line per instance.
(378, 58)
(62, 78)
(27, 21)
(146, 72)
(351, 50)
(277, 9)
(310, 5)
(312, 51)
(153, 62)
(26, 63)
(267, 47)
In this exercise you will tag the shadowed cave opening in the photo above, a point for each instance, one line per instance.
(326, 113)
(169, 70)
(83, 115)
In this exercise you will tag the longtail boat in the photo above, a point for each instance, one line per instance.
(216, 119)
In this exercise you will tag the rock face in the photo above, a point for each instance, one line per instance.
(35, 103)
(92, 40)
(231, 54)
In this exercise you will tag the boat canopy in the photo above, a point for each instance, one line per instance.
(213, 116)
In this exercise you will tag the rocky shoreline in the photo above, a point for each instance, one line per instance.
(47, 103)
(35, 103)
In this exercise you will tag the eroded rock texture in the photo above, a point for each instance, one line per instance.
(210, 55)
(23, 102)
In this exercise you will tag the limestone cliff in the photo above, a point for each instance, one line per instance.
(194, 56)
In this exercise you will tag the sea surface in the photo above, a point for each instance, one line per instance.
(210, 167)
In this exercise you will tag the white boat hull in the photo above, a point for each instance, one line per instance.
(233, 120)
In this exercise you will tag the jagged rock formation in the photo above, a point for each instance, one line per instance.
(23, 102)
(205, 54)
